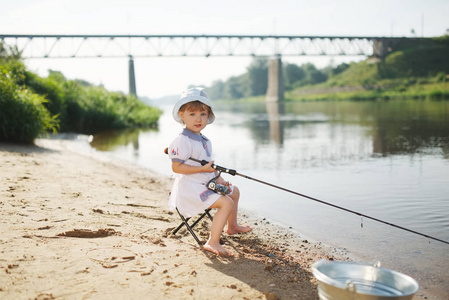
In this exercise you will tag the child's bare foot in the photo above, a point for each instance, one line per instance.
(238, 229)
(215, 248)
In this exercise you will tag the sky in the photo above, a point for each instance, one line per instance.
(161, 76)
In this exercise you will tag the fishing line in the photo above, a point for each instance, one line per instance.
(234, 172)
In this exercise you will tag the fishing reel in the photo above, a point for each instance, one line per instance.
(218, 188)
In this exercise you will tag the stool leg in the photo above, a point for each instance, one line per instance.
(199, 219)
(208, 214)
(180, 226)
(191, 230)
(184, 220)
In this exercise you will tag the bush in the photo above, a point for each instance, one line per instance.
(48, 88)
(416, 62)
(23, 116)
(438, 95)
(94, 109)
(441, 77)
(31, 105)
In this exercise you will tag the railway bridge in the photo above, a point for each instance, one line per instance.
(137, 46)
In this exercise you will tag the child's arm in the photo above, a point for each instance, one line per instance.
(181, 168)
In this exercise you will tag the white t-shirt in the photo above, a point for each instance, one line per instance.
(189, 193)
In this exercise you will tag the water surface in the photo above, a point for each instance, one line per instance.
(385, 159)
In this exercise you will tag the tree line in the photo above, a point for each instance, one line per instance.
(255, 81)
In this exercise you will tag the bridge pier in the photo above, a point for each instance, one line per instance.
(275, 90)
(383, 46)
(132, 77)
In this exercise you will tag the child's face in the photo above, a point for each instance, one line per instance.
(195, 120)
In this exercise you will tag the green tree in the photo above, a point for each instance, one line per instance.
(340, 68)
(257, 77)
(216, 90)
(234, 87)
(292, 74)
(313, 75)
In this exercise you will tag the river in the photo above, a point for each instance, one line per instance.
(385, 159)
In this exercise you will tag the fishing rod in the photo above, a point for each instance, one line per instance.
(234, 173)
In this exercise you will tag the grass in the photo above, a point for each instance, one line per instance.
(418, 69)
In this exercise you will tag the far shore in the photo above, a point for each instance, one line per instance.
(75, 226)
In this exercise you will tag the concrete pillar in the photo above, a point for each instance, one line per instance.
(132, 77)
(275, 90)
(383, 47)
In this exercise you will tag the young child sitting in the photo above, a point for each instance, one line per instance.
(190, 193)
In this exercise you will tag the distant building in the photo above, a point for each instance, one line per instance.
(447, 32)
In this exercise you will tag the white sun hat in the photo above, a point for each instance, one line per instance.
(194, 94)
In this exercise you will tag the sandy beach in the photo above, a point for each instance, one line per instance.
(75, 226)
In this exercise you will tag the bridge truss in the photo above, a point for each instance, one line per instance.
(110, 46)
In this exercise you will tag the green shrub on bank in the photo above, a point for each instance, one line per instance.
(416, 63)
(31, 105)
(92, 109)
(22, 114)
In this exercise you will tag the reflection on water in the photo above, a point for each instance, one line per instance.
(110, 140)
(396, 127)
(274, 112)
(385, 159)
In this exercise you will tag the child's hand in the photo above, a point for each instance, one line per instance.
(208, 168)
(221, 181)
(227, 183)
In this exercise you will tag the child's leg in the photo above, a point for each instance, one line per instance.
(233, 226)
(225, 207)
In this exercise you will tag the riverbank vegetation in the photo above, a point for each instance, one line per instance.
(415, 68)
(31, 105)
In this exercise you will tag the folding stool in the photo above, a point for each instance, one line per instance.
(190, 227)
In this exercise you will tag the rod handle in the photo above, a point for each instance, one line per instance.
(222, 169)
(217, 167)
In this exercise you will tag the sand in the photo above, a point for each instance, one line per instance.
(76, 226)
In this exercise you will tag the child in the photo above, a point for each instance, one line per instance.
(189, 193)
